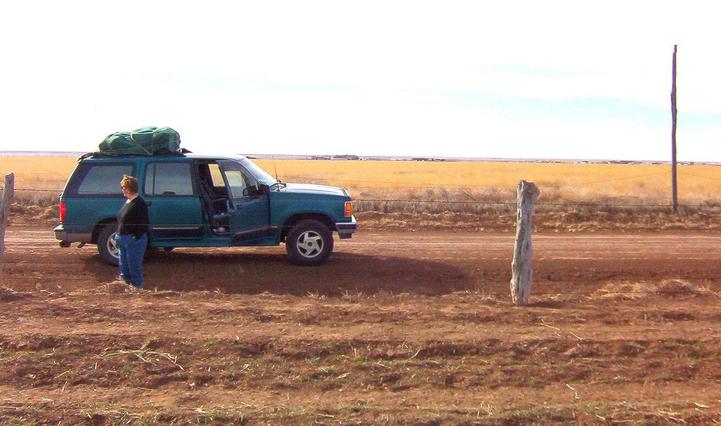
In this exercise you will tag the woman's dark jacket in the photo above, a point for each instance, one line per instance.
(133, 218)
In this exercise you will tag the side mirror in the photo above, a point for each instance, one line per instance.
(256, 190)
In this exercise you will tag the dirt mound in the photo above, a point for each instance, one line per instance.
(641, 290)
(8, 295)
(624, 291)
(672, 288)
(36, 214)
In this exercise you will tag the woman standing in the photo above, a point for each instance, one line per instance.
(132, 234)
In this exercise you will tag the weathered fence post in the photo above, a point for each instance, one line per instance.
(8, 192)
(522, 277)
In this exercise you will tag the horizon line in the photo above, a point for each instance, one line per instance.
(420, 158)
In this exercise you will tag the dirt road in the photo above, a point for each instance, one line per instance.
(417, 263)
(397, 327)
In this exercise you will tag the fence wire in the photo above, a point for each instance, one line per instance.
(539, 203)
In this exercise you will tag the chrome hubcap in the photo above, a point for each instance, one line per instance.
(310, 244)
(112, 246)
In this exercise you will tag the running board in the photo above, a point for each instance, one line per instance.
(253, 234)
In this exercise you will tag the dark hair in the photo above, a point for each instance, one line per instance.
(129, 183)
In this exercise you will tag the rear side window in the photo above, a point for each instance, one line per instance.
(104, 179)
(168, 179)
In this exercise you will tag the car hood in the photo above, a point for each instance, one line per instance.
(304, 188)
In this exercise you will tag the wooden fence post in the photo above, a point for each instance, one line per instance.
(7, 199)
(522, 274)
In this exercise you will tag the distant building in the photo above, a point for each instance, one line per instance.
(427, 159)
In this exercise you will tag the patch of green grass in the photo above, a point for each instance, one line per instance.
(211, 342)
(619, 379)
(671, 344)
(633, 348)
(336, 358)
(126, 371)
(361, 361)
(313, 360)
(698, 345)
(527, 415)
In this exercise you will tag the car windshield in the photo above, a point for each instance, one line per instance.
(259, 174)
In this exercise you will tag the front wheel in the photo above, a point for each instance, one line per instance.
(309, 243)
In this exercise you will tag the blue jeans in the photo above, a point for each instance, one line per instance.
(131, 251)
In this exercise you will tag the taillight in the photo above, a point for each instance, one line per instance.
(348, 209)
(62, 211)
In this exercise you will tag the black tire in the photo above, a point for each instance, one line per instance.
(309, 243)
(106, 244)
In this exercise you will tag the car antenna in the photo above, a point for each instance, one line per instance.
(275, 169)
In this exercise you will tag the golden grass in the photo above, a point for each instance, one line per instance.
(644, 183)
(38, 172)
(567, 181)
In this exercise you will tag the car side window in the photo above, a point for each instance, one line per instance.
(168, 179)
(104, 179)
(236, 181)
(237, 177)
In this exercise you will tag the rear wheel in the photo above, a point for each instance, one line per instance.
(106, 244)
(309, 243)
(108, 249)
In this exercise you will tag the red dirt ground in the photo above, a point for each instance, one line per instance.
(395, 328)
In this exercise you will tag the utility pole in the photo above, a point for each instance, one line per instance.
(674, 112)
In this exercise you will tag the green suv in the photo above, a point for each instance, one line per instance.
(203, 201)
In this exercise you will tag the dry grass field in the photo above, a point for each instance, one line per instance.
(564, 181)
(442, 194)
(573, 182)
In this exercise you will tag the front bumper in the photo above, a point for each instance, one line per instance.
(346, 229)
(72, 237)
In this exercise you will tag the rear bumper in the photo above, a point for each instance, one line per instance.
(346, 229)
(72, 237)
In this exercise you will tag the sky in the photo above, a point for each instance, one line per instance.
(490, 79)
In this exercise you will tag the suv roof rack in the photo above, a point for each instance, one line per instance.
(101, 154)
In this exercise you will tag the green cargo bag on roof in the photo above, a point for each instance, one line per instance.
(143, 141)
